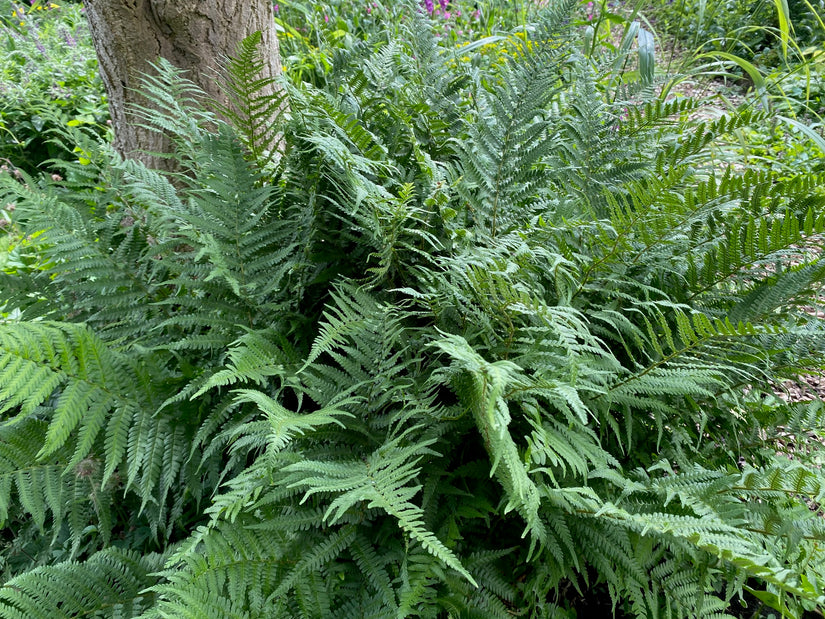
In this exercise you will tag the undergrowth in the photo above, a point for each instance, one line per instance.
(446, 344)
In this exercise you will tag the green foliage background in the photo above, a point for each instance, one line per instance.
(438, 342)
(48, 73)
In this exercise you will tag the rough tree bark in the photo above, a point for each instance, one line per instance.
(193, 35)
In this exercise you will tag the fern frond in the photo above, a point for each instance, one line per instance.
(285, 424)
(87, 379)
(257, 102)
(381, 481)
(484, 397)
(110, 583)
(38, 487)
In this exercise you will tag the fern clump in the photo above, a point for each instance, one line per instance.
(429, 344)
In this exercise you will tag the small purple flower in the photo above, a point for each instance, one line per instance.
(444, 4)
(429, 5)
(70, 40)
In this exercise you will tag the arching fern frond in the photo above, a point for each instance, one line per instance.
(380, 481)
(110, 583)
(481, 385)
(87, 379)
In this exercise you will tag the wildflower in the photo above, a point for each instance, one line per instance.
(447, 15)
(444, 4)
(429, 5)
(70, 40)
(276, 8)
(326, 19)
(4, 222)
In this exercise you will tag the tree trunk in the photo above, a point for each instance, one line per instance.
(194, 35)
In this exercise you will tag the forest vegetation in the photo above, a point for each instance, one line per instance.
(501, 316)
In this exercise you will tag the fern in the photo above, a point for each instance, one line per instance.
(66, 361)
(381, 481)
(434, 342)
(253, 110)
(109, 584)
(484, 395)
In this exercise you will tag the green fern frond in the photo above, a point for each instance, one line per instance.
(87, 379)
(381, 481)
(176, 106)
(232, 575)
(483, 393)
(110, 583)
(285, 424)
(39, 488)
(257, 102)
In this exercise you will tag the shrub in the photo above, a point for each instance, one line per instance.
(312, 33)
(48, 78)
(461, 348)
